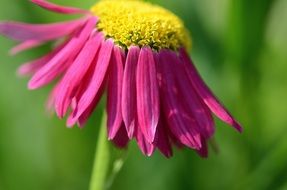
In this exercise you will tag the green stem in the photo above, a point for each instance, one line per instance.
(102, 159)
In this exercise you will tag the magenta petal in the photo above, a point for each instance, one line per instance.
(75, 74)
(51, 99)
(25, 46)
(206, 94)
(57, 8)
(39, 32)
(33, 66)
(96, 81)
(129, 106)
(121, 138)
(193, 104)
(88, 112)
(146, 147)
(60, 61)
(162, 140)
(80, 91)
(114, 98)
(203, 151)
(147, 94)
(181, 125)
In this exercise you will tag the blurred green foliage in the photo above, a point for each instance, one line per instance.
(239, 46)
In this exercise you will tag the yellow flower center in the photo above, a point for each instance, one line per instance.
(134, 22)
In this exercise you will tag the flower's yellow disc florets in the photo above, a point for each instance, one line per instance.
(134, 22)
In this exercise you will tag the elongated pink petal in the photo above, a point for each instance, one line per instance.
(146, 147)
(206, 94)
(33, 66)
(114, 104)
(96, 81)
(75, 74)
(162, 140)
(175, 141)
(80, 91)
(88, 112)
(51, 99)
(57, 8)
(60, 61)
(193, 104)
(121, 139)
(129, 106)
(39, 32)
(181, 125)
(25, 46)
(147, 94)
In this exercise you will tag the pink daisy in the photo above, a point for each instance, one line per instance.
(136, 52)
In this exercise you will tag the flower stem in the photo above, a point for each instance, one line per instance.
(102, 159)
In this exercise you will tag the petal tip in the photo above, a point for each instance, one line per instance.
(111, 135)
(32, 85)
(238, 127)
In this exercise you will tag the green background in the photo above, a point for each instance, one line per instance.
(239, 47)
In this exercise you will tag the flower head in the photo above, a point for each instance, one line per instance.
(136, 51)
(149, 25)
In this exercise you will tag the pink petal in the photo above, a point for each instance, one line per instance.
(147, 94)
(80, 91)
(39, 32)
(88, 112)
(96, 81)
(206, 94)
(121, 138)
(193, 104)
(25, 46)
(62, 60)
(51, 99)
(203, 151)
(162, 139)
(75, 74)
(57, 8)
(129, 106)
(175, 141)
(33, 66)
(181, 125)
(146, 147)
(114, 98)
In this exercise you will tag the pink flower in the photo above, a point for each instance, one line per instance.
(154, 92)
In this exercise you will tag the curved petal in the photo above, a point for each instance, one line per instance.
(121, 139)
(33, 66)
(51, 99)
(25, 46)
(88, 112)
(75, 73)
(203, 151)
(129, 91)
(162, 140)
(114, 98)
(80, 91)
(62, 59)
(39, 32)
(147, 94)
(206, 94)
(146, 147)
(191, 101)
(96, 81)
(57, 8)
(183, 127)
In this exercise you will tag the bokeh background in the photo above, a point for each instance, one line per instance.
(239, 47)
